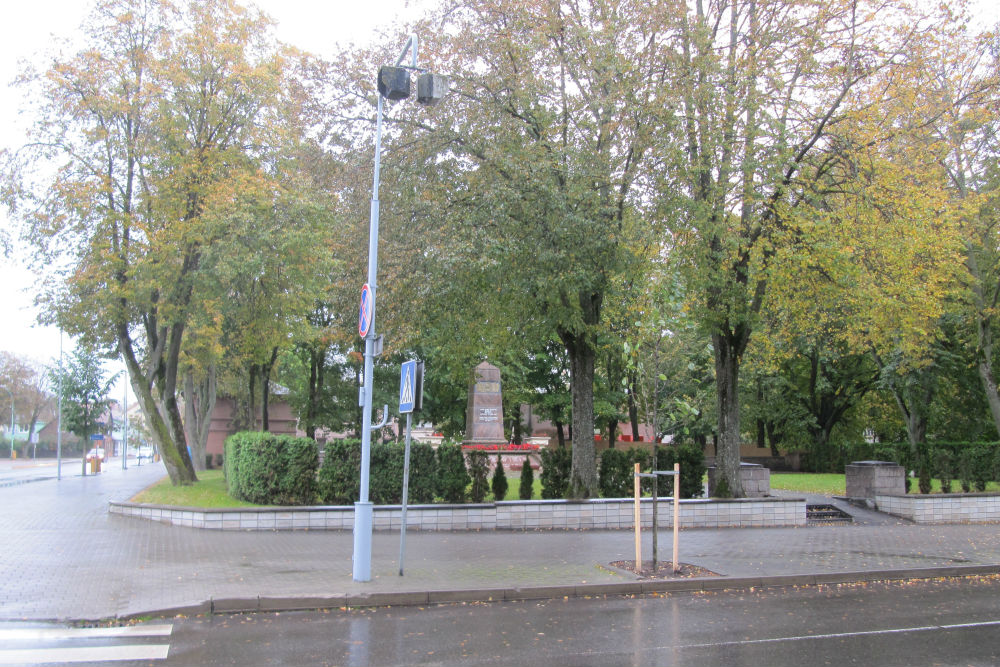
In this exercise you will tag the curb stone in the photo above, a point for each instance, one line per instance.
(427, 598)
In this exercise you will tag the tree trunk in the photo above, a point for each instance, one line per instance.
(199, 402)
(727, 369)
(633, 406)
(172, 449)
(265, 389)
(560, 435)
(583, 478)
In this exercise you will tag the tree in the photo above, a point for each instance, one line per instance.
(767, 91)
(28, 384)
(546, 142)
(153, 131)
(84, 395)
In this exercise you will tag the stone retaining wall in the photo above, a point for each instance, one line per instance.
(942, 508)
(511, 515)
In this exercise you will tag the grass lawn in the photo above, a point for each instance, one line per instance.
(827, 484)
(833, 484)
(209, 491)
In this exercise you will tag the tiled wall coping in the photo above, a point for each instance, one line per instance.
(601, 513)
(942, 507)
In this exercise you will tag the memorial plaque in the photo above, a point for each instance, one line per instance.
(484, 416)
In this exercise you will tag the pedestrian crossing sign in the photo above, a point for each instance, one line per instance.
(411, 384)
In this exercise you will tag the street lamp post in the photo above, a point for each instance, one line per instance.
(11, 422)
(394, 84)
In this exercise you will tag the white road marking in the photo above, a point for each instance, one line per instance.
(86, 633)
(80, 654)
(843, 635)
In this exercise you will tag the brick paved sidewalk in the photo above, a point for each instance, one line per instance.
(65, 557)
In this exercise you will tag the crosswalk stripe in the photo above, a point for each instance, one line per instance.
(87, 654)
(162, 630)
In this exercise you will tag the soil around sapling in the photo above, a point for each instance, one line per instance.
(664, 570)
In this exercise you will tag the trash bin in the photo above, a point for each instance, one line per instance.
(95, 464)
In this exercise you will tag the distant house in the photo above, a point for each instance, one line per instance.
(280, 417)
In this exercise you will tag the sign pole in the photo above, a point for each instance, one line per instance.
(411, 394)
(406, 489)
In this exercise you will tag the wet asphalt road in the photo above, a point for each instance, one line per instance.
(943, 622)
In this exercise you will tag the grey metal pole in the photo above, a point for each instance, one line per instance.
(124, 425)
(363, 509)
(406, 491)
(11, 422)
(59, 416)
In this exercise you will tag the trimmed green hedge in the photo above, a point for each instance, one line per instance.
(556, 466)
(616, 470)
(271, 469)
(340, 475)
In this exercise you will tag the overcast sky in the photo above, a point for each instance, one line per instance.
(26, 31)
(312, 25)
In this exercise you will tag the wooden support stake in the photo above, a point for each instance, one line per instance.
(638, 524)
(677, 513)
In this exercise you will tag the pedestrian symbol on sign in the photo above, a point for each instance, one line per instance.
(411, 379)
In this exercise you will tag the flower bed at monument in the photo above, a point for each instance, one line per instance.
(509, 447)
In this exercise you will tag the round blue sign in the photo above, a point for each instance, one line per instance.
(366, 310)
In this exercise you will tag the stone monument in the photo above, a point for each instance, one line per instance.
(484, 415)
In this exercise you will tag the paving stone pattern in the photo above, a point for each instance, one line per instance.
(65, 557)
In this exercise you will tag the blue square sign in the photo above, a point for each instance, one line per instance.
(411, 380)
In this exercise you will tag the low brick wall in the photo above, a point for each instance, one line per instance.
(942, 508)
(511, 515)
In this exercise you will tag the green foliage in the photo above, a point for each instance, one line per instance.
(269, 469)
(556, 465)
(691, 457)
(944, 467)
(340, 474)
(478, 470)
(423, 474)
(453, 477)
(527, 481)
(615, 474)
(85, 393)
(499, 483)
(924, 471)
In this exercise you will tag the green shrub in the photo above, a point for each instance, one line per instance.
(692, 460)
(452, 477)
(965, 468)
(478, 470)
(386, 474)
(270, 469)
(982, 466)
(527, 488)
(340, 474)
(499, 483)
(944, 467)
(615, 474)
(556, 466)
(423, 474)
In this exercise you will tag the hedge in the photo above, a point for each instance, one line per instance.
(340, 475)
(271, 469)
(556, 465)
(616, 471)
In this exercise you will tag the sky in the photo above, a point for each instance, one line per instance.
(313, 25)
(28, 29)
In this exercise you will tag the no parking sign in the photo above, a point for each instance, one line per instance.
(366, 311)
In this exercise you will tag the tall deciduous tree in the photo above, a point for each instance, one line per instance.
(548, 138)
(767, 87)
(85, 390)
(152, 131)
